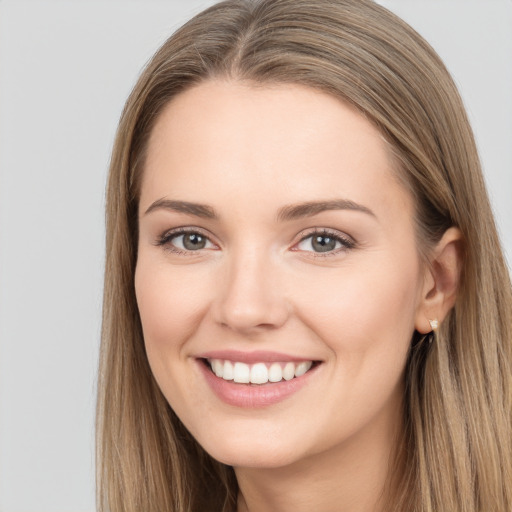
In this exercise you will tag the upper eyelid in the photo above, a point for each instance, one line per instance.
(184, 230)
(346, 241)
(327, 232)
(165, 239)
(301, 236)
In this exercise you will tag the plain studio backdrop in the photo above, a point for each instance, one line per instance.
(66, 68)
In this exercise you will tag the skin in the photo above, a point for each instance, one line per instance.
(258, 284)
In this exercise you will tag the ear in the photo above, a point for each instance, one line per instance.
(442, 276)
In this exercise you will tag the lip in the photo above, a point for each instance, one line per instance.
(253, 396)
(257, 356)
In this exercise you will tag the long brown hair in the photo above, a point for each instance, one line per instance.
(457, 448)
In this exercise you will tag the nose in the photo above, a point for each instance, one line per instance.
(251, 298)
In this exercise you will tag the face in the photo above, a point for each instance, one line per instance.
(278, 279)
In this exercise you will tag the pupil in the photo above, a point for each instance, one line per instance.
(323, 243)
(193, 241)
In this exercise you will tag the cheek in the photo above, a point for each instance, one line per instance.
(169, 307)
(169, 299)
(366, 321)
(366, 311)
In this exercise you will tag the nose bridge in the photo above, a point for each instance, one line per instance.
(251, 297)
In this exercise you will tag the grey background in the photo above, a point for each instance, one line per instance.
(66, 68)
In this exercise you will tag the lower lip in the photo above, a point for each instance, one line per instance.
(253, 395)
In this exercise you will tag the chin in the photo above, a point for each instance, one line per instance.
(254, 458)
(250, 450)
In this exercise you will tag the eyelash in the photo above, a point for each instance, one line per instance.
(165, 240)
(346, 242)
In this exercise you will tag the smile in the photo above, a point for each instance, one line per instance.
(255, 379)
(258, 373)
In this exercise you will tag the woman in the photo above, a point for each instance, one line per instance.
(306, 304)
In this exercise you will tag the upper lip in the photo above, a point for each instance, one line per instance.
(257, 356)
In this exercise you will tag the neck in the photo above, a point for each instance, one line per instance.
(354, 476)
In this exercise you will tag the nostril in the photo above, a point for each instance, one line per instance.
(255, 316)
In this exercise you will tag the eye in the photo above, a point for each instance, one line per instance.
(185, 241)
(324, 242)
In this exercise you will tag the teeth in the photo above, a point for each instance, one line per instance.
(258, 373)
(289, 371)
(242, 373)
(228, 372)
(302, 368)
(217, 367)
(275, 372)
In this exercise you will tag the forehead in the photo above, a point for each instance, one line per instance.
(285, 143)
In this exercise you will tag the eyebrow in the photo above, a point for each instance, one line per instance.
(297, 211)
(286, 213)
(196, 209)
